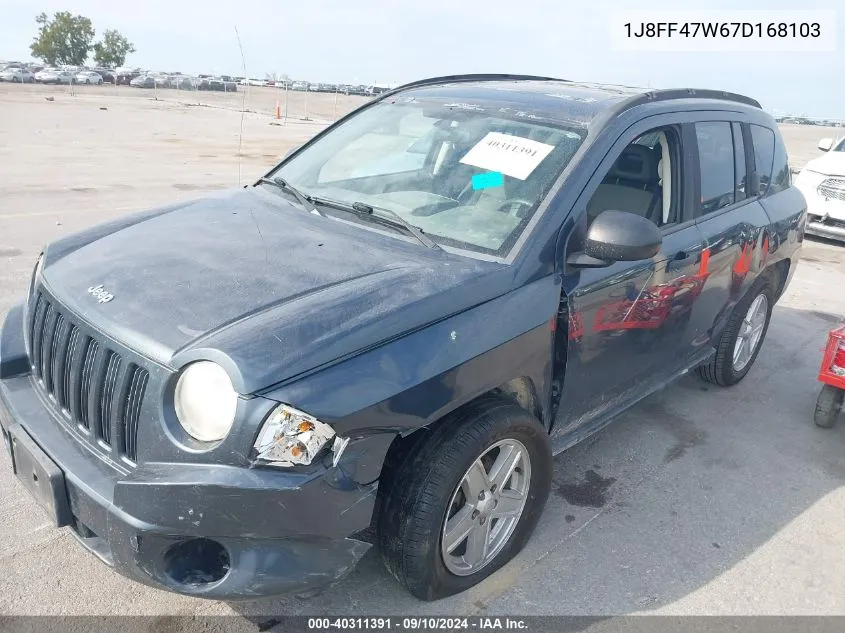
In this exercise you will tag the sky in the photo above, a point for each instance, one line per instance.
(390, 42)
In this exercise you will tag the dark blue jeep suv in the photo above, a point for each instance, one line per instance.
(385, 339)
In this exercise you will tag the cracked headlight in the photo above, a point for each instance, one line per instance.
(290, 437)
(205, 401)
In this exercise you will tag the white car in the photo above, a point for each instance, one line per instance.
(89, 77)
(54, 76)
(822, 181)
(17, 75)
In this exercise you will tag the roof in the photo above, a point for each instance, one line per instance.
(545, 95)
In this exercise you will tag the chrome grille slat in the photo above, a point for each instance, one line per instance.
(37, 334)
(132, 412)
(87, 379)
(47, 346)
(832, 189)
(94, 386)
(109, 379)
(57, 372)
(72, 348)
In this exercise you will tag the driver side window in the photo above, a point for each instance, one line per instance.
(642, 178)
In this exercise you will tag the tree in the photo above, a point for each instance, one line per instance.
(66, 39)
(112, 50)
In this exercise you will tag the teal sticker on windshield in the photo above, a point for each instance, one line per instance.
(487, 180)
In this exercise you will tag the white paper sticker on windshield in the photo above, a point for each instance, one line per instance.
(513, 156)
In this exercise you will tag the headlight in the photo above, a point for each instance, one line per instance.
(205, 401)
(291, 437)
(808, 180)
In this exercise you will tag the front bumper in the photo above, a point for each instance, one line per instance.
(829, 229)
(826, 217)
(278, 531)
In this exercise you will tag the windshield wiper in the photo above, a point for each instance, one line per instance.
(384, 216)
(283, 184)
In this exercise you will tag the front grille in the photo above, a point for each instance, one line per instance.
(832, 189)
(92, 385)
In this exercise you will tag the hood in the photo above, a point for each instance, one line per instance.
(829, 164)
(258, 285)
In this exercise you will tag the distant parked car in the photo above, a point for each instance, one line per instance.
(822, 181)
(299, 85)
(39, 76)
(89, 77)
(54, 76)
(125, 78)
(107, 75)
(221, 84)
(143, 81)
(182, 82)
(17, 75)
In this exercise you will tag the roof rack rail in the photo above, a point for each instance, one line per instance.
(643, 97)
(431, 81)
(680, 93)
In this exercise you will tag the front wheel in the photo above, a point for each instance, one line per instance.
(828, 406)
(466, 500)
(742, 338)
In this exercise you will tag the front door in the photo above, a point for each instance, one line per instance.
(631, 324)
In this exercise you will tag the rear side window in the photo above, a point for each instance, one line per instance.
(763, 140)
(781, 178)
(717, 163)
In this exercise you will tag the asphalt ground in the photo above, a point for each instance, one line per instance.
(700, 500)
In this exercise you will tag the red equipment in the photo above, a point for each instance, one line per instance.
(832, 374)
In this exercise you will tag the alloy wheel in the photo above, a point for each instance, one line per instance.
(486, 507)
(750, 332)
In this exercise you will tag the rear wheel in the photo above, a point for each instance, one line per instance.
(466, 500)
(828, 406)
(742, 338)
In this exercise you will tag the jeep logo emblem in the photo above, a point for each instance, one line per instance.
(100, 294)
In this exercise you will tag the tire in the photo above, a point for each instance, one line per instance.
(828, 406)
(721, 369)
(428, 487)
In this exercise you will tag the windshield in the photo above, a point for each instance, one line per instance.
(839, 146)
(468, 177)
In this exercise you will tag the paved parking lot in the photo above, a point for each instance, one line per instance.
(699, 500)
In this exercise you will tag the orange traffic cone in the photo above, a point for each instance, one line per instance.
(278, 110)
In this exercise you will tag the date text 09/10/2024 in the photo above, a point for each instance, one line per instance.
(416, 623)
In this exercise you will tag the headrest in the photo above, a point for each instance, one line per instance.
(637, 162)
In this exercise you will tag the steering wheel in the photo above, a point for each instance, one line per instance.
(514, 207)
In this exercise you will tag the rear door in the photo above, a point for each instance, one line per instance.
(629, 324)
(729, 214)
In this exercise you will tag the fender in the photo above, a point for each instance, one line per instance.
(454, 361)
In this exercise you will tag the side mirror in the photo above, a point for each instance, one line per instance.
(825, 144)
(617, 236)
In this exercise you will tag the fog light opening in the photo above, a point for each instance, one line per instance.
(197, 562)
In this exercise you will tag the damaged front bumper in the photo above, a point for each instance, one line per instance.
(211, 531)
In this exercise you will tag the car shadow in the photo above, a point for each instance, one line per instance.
(678, 491)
